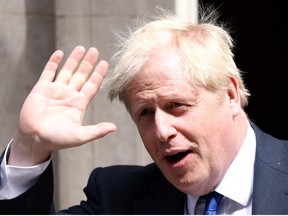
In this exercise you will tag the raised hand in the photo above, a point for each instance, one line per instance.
(52, 115)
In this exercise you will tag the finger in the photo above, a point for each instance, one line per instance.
(70, 65)
(51, 66)
(94, 82)
(84, 69)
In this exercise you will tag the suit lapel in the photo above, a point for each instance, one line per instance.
(270, 190)
(268, 194)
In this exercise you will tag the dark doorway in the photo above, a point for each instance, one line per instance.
(259, 30)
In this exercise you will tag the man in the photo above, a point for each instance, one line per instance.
(186, 96)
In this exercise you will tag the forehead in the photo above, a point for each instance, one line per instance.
(159, 84)
(159, 91)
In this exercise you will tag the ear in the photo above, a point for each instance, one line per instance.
(234, 95)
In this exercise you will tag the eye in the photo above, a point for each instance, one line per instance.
(175, 105)
(146, 112)
(177, 108)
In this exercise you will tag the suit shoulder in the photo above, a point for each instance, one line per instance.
(130, 181)
(271, 151)
(146, 173)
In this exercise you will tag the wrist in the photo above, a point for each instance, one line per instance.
(25, 151)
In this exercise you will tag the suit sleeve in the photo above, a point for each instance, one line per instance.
(37, 200)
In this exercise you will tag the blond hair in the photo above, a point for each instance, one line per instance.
(205, 50)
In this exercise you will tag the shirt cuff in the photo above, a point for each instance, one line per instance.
(15, 180)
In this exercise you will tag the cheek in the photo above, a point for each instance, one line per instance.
(147, 137)
(148, 140)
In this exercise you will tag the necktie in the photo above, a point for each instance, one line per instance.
(212, 201)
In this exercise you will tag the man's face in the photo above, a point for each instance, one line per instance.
(187, 130)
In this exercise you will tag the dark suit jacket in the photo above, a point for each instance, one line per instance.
(144, 190)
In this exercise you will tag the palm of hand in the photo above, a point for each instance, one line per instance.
(53, 112)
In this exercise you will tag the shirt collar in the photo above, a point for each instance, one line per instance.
(237, 183)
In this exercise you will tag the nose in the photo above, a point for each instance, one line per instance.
(164, 127)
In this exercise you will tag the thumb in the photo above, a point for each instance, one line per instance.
(94, 132)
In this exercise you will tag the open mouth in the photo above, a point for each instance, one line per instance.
(177, 157)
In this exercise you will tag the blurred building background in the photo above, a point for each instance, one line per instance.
(30, 30)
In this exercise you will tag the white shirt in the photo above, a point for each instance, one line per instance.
(237, 184)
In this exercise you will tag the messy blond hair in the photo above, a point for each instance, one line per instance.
(205, 50)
